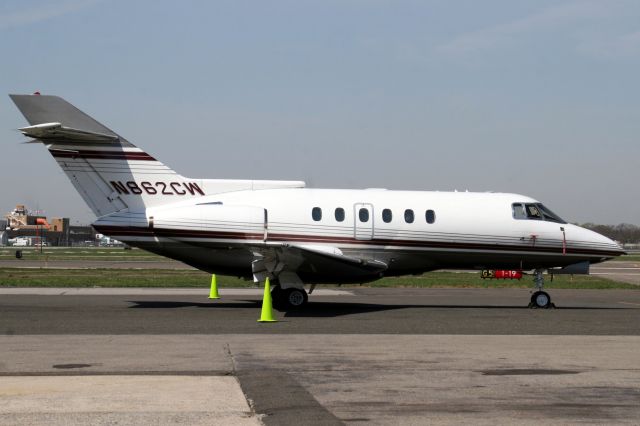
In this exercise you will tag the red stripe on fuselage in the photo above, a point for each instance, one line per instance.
(102, 155)
(173, 233)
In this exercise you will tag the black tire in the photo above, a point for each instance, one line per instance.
(292, 299)
(541, 300)
(276, 297)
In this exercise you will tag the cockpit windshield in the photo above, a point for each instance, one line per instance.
(534, 211)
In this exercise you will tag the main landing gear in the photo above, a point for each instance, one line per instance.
(540, 299)
(288, 299)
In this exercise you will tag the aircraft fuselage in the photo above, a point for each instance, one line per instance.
(410, 231)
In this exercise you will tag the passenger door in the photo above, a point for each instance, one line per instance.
(363, 221)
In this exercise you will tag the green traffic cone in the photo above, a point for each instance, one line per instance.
(213, 294)
(267, 306)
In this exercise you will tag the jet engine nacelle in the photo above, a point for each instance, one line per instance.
(213, 220)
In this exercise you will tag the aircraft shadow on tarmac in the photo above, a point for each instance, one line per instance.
(330, 309)
(333, 309)
(168, 304)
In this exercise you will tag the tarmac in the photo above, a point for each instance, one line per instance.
(357, 356)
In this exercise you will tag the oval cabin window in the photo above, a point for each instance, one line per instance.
(430, 216)
(316, 213)
(363, 215)
(339, 214)
(387, 215)
(408, 216)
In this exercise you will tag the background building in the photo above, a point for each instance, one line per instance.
(28, 228)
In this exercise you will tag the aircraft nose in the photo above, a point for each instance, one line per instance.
(596, 241)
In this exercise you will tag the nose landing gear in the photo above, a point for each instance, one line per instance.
(540, 299)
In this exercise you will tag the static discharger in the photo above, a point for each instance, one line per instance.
(267, 306)
(213, 293)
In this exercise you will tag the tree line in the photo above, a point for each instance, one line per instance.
(624, 233)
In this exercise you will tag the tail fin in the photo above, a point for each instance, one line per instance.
(110, 173)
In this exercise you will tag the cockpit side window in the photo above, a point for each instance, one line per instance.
(534, 211)
(518, 211)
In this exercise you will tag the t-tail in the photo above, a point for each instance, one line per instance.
(110, 173)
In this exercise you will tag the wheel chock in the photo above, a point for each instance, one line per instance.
(267, 305)
(213, 293)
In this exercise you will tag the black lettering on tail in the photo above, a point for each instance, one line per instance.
(193, 187)
(118, 186)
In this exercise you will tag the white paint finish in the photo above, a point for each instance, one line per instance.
(460, 216)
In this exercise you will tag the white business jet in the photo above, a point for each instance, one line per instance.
(295, 235)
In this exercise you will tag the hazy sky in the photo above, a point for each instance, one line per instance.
(536, 97)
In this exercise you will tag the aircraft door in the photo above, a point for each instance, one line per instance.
(363, 221)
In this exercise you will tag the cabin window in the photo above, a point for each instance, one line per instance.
(408, 216)
(363, 215)
(387, 215)
(339, 214)
(316, 214)
(430, 216)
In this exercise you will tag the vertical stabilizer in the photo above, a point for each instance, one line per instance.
(110, 173)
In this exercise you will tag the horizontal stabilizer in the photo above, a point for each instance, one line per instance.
(46, 110)
(58, 131)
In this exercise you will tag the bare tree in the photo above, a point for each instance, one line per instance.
(624, 233)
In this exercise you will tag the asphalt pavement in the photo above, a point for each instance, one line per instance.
(360, 356)
(349, 311)
(353, 356)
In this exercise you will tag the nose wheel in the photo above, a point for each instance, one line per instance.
(540, 299)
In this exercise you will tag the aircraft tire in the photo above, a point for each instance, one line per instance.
(277, 297)
(541, 300)
(293, 299)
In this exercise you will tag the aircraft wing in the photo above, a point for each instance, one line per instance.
(291, 261)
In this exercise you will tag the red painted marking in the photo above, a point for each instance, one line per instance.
(103, 155)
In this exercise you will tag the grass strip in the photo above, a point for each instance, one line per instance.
(80, 253)
(627, 258)
(43, 277)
